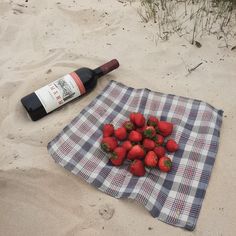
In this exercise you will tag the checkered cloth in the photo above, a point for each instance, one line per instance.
(175, 197)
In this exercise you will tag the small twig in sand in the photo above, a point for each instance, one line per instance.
(233, 48)
(17, 11)
(194, 68)
(21, 5)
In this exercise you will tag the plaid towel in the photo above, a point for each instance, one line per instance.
(174, 198)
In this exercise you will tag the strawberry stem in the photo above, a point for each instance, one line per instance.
(168, 163)
(113, 155)
(152, 123)
(105, 147)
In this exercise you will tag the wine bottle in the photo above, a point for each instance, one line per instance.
(54, 95)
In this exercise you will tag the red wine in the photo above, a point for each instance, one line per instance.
(48, 98)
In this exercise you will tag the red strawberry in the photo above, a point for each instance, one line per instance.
(160, 151)
(171, 145)
(121, 133)
(139, 120)
(152, 121)
(165, 128)
(165, 164)
(149, 132)
(129, 126)
(108, 144)
(118, 156)
(127, 145)
(148, 144)
(137, 168)
(135, 136)
(159, 139)
(136, 152)
(132, 117)
(108, 130)
(141, 129)
(151, 159)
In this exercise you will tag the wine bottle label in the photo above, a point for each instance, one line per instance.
(60, 91)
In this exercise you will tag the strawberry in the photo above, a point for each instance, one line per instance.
(139, 120)
(121, 133)
(165, 164)
(141, 129)
(148, 144)
(127, 145)
(152, 121)
(151, 159)
(159, 139)
(136, 152)
(165, 128)
(108, 144)
(118, 156)
(129, 126)
(137, 168)
(135, 136)
(160, 151)
(132, 117)
(149, 132)
(108, 130)
(171, 145)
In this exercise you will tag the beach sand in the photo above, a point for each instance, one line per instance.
(43, 40)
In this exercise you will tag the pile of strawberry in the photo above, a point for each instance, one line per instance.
(140, 140)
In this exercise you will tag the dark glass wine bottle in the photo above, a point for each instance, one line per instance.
(48, 98)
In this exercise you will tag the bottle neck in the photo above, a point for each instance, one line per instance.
(106, 68)
(98, 72)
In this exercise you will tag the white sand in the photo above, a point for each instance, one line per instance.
(37, 197)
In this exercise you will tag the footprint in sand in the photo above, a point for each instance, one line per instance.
(4, 8)
(91, 19)
(82, 17)
(31, 195)
(9, 34)
(54, 58)
(44, 60)
(106, 212)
